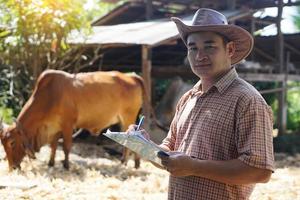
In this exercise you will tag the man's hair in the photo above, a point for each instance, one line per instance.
(224, 38)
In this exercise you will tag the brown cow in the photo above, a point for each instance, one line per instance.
(61, 102)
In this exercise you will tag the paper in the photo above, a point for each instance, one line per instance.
(136, 142)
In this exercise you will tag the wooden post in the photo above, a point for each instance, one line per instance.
(149, 9)
(282, 107)
(146, 74)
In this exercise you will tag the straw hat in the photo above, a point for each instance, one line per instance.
(210, 20)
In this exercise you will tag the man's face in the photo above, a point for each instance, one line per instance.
(209, 57)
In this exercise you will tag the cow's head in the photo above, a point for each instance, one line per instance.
(16, 145)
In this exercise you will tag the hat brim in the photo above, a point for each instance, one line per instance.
(242, 38)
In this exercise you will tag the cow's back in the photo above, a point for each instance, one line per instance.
(92, 101)
(105, 98)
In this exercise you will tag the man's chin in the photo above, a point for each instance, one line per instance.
(201, 72)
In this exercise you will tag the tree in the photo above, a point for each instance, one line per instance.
(33, 37)
(39, 31)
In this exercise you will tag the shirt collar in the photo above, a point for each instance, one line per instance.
(222, 84)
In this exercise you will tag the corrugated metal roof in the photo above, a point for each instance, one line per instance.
(140, 33)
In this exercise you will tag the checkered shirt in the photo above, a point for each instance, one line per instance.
(230, 121)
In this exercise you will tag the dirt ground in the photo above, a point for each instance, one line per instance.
(94, 174)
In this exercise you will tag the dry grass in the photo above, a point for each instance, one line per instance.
(94, 174)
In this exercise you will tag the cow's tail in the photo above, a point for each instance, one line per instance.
(146, 99)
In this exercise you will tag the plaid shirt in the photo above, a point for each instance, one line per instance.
(230, 121)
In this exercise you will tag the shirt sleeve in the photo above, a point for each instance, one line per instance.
(254, 136)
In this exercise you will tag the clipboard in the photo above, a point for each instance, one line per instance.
(136, 142)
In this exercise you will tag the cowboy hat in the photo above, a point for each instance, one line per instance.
(210, 20)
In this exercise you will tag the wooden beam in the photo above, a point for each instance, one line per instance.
(282, 105)
(268, 77)
(149, 10)
(274, 4)
(111, 15)
(264, 22)
(146, 74)
(288, 46)
(262, 77)
(268, 91)
(169, 41)
(297, 3)
(274, 90)
(264, 54)
(186, 72)
(292, 77)
(280, 41)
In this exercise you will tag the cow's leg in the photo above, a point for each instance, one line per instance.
(137, 161)
(53, 150)
(125, 156)
(67, 144)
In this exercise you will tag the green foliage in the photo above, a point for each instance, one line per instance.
(270, 97)
(297, 18)
(33, 37)
(39, 30)
(293, 103)
(97, 8)
(293, 96)
(15, 89)
(6, 114)
(160, 87)
(289, 143)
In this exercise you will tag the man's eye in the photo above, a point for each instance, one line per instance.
(209, 47)
(193, 48)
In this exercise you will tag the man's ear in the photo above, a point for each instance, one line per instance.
(231, 48)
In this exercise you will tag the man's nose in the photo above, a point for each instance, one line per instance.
(201, 55)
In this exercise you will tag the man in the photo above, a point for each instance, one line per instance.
(220, 140)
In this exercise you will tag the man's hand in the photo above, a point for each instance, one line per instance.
(133, 127)
(177, 163)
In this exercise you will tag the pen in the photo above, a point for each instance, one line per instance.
(140, 123)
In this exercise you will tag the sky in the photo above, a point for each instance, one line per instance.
(90, 4)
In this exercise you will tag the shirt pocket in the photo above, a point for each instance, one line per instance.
(212, 134)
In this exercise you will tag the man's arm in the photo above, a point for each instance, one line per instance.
(233, 172)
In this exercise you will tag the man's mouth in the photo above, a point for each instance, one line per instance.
(202, 65)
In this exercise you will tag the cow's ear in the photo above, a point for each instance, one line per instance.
(29, 151)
